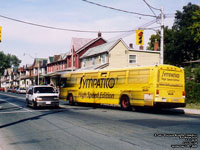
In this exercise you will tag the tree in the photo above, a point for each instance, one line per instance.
(181, 42)
(195, 28)
(8, 61)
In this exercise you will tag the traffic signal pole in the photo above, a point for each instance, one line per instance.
(162, 38)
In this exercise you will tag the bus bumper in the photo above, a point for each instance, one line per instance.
(168, 105)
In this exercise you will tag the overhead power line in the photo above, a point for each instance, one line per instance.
(125, 11)
(151, 6)
(62, 29)
(123, 35)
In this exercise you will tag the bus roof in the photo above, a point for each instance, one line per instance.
(169, 67)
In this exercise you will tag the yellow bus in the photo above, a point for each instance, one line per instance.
(153, 86)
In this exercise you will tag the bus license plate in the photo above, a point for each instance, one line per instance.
(164, 99)
(48, 102)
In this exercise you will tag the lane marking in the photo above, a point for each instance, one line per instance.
(16, 105)
(27, 110)
(12, 96)
(14, 112)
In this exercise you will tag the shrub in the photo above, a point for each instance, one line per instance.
(192, 91)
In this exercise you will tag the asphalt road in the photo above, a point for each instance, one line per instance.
(88, 128)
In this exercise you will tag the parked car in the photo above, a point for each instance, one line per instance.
(13, 90)
(42, 96)
(2, 89)
(9, 89)
(21, 91)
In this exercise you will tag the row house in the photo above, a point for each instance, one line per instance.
(60, 64)
(116, 54)
(10, 78)
(24, 76)
(48, 71)
(38, 71)
(29, 73)
(7, 78)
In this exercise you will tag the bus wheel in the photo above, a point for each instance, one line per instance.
(71, 100)
(125, 103)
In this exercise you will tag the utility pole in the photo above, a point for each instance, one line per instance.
(162, 38)
(72, 58)
(38, 72)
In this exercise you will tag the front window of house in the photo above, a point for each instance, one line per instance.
(132, 59)
(83, 63)
(93, 61)
(34, 71)
(103, 59)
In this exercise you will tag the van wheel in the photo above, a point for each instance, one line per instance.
(125, 103)
(71, 100)
(34, 104)
(27, 103)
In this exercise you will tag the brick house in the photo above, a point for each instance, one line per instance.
(60, 64)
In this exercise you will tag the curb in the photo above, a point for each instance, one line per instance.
(190, 111)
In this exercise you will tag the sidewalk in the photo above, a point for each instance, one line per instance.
(190, 111)
(185, 111)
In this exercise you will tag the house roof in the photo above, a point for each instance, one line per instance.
(43, 60)
(56, 58)
(81, 43)
(100, 49)
(106, 47)
(78, 43)
(94, 67)
(145, 51)
(50, 59)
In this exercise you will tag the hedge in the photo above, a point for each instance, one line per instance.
(192, 91)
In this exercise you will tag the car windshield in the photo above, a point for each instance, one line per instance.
(44, 90)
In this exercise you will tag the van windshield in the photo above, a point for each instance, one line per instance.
(44, 90)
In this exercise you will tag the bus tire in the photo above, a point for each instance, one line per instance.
(125, 102)
(71, 100)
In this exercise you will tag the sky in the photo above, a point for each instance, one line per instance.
(28, 42)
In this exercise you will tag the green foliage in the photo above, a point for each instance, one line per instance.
(195, 28)
(153, 38)
(196, 72)
(8, 61)
(192, 86)
(192, 92)
(181, 43)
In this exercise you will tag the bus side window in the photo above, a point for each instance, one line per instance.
(63, 82)
(104, 74)
(121, 79)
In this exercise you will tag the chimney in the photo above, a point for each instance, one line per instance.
(99, 34)
(156, 46)
(141, 47)
(131, 45)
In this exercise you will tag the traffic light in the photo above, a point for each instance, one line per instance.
(0, 33)
(139, 37)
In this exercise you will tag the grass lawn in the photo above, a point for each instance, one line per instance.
(193, 106)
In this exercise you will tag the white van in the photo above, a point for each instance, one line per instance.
(42, 95)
